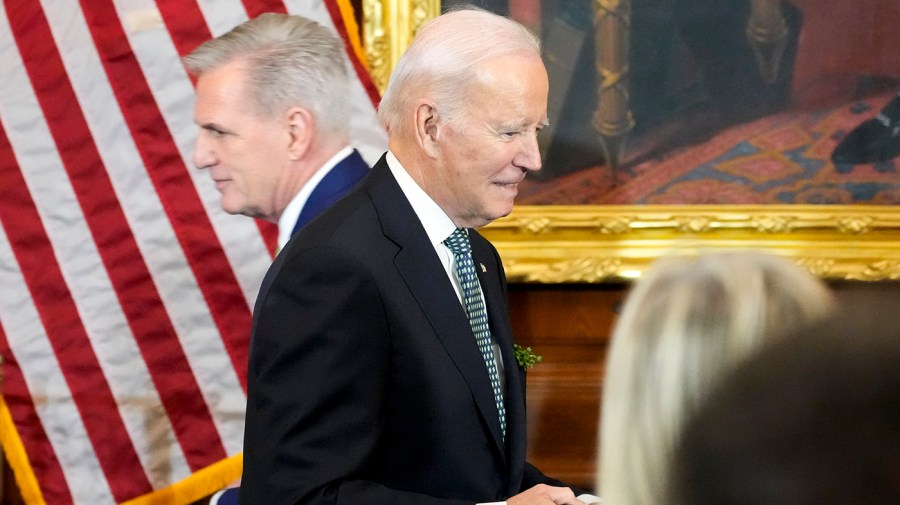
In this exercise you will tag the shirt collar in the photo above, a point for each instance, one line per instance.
(292, 212)
(436, 222)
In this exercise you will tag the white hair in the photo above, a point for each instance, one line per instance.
(446, 55)
(291, 61)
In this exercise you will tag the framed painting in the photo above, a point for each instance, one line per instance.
(699, 125)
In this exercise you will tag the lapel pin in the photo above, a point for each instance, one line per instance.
(483, 268)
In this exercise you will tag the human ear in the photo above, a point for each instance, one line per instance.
(300, 128)
(427, 128)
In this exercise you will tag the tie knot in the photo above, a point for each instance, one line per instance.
(458, 242)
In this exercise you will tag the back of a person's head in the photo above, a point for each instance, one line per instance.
(290, 61)
(446, 55)
(812, 420)
(684, 323)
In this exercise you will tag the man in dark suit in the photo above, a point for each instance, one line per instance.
(381, 366)
(274, 116)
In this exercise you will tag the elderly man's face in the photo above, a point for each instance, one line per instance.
(487, 151)
(246, 155)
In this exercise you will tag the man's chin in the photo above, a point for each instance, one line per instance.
(236, 210)
(231, 210)
(498, 213)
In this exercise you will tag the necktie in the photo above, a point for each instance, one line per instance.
(458, 243)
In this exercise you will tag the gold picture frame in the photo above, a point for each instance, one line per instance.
(602, 243)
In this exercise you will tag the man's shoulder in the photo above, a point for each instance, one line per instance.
(348, 217)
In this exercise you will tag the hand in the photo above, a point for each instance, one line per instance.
(543, 494)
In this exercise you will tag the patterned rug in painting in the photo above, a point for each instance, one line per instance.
(784, 158)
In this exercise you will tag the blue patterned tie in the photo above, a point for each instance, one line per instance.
(458, 243)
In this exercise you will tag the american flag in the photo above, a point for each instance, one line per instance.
(125, 291)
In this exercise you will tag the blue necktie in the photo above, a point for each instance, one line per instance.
(458, 243)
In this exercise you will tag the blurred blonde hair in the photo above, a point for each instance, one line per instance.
(684, 323)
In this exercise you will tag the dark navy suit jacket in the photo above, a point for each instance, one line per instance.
(334, 186)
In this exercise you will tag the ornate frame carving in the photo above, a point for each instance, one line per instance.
(590, 244)
(388, 27)
(577, 243)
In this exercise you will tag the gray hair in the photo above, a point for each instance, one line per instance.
(291, 61)
(446, 56)
(686, 323)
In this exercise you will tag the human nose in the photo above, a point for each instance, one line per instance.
(529, 156)
(204, 157)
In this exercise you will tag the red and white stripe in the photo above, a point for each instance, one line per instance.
(125, 291)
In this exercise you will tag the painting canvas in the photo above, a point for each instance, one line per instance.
(698, 124)
(720, 101)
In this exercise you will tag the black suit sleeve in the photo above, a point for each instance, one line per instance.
(318, 366)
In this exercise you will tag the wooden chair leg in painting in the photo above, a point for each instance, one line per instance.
(613, 118)
(767, 32)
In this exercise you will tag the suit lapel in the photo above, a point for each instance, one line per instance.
(424, 275)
